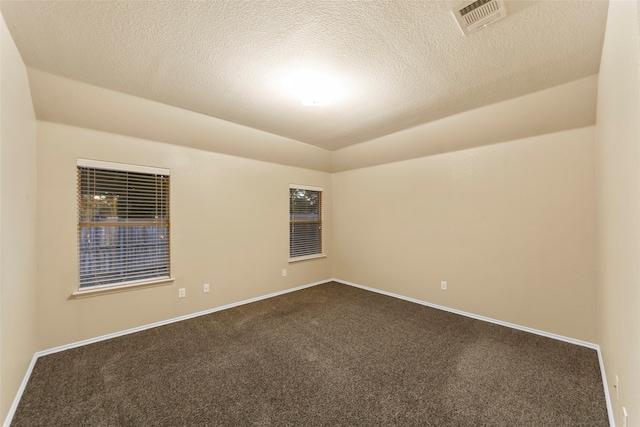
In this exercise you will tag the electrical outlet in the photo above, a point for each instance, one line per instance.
(205, 288)
(443, 285)
(182, 292)
(284, 272)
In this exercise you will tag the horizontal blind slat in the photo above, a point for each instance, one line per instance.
(305, 222)
(123, 226)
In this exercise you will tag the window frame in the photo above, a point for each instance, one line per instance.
(320, 254)
(90, 290)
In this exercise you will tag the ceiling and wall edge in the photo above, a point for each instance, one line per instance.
(564, 107)
(61, 100)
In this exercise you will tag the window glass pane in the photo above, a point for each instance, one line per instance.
(123, 226)
(305, 222)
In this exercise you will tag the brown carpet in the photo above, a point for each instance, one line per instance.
(330, 355)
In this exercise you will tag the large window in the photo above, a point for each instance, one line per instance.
(305, 222)
(123, 224)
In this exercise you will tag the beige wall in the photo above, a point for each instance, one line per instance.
(568, 106)
(229, 228)
(17, 222)
(619, 207)
(97, 108)
(510, 227)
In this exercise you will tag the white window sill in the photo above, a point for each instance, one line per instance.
(96, 291)
(305, 258)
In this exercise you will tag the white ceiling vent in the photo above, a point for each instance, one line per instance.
(476, 15)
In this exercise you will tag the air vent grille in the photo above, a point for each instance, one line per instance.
(478, 14)
(473, 14)
(473, 6)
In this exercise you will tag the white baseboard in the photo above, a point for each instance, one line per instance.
(23, 385)
(509, 325)
(38, 354)
(473, 316)
(612, 420)
(174, 320)
(596, 347)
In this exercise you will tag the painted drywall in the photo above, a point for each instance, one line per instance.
(564, 107)
(97, 108)
(229, 228)
(568, 106)
(618, 195)
(17, 222)
(510, 227)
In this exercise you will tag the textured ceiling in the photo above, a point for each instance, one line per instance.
(403, 62)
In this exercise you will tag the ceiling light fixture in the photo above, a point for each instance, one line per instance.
(313, 88)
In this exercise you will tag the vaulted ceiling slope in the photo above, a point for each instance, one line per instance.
(401, 63)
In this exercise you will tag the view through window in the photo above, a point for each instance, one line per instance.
(123, 224)
(305, 221)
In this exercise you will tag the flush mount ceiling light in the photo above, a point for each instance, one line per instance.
(313, 88)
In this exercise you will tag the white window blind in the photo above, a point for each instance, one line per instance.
(123, 224)
(305, 221)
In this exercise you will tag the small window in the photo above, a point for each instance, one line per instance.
(305, 222)
(123, 224)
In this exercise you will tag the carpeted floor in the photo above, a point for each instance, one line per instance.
(330, 355)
